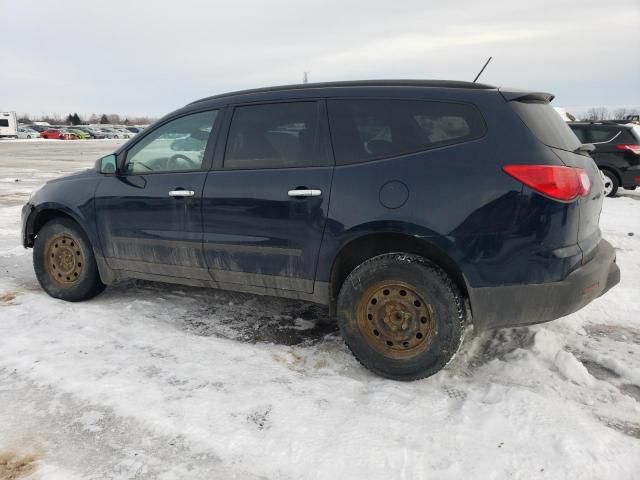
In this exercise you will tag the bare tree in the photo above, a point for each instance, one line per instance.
(597, 113)
(622, 113)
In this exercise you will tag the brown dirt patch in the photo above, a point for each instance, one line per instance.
(14, 466)
(7, 298)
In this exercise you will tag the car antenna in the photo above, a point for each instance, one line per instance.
(482, 70)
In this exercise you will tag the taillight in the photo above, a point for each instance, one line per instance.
(632, 148)
(560, 183)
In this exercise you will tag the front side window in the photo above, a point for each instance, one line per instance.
(276, 135)
(369, 129)
(4, 123)
(176, 146)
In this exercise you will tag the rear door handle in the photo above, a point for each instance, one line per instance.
(304, 193)
(181, 193)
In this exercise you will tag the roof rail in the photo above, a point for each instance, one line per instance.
(357, 83)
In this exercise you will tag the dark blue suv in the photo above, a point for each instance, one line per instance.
(409, 207)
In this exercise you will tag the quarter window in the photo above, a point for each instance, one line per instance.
(579, 132)
(368, 129)
(176, 146)
(277, 135)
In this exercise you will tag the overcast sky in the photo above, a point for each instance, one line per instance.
(151, 57)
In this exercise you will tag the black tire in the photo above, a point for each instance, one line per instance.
(615, 184)
(68, 272)
(426, 286)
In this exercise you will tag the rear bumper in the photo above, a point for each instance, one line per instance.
(514, 305)
(631, 177)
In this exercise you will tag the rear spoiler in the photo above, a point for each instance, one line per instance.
(510, 94)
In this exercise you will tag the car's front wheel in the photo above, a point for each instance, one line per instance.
(401, 316)
(64, 262)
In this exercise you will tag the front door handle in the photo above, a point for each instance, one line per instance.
(181, 193)
(304, 193)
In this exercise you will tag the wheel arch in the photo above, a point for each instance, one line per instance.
(370, 245)
(40, 216)
(613, 170)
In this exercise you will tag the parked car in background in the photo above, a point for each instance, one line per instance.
(38, 128)
(110, 132)
(134, 130)
(26, 132)
(58, 134)
(92, 132)
(81, 134)
(52, 133)
(403, 205)
(124, 132)
(617, 152)
(69, 134)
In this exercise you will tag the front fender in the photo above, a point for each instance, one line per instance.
(72, 197)
(33, 219)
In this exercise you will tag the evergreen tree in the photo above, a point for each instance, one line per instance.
(69, 120)
(104, 119)
(76, 120)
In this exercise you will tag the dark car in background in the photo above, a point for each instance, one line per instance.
(617, 152)
(410, 208)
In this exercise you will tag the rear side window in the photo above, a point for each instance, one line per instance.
(369, 129)
(276, 135)
(603, 135)
(4, 123)
(546, 124)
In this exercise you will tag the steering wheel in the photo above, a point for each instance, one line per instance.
(175, 162)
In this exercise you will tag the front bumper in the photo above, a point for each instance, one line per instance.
(515, 305)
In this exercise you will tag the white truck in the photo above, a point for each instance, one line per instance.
(8, 125)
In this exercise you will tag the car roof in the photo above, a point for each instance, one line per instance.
(355, 83)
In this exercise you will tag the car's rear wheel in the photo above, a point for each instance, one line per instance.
(64, 262)
(401, 316)
(611, 183)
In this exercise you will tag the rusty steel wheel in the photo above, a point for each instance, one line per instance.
(64, 260)
(395, 320)
(401, 316)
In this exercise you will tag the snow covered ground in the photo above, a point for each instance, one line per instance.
(168, 382)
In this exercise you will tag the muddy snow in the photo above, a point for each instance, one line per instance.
(167, 382)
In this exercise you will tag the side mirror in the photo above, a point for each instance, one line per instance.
(107, 165)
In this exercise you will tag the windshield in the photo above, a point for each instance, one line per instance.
(546, 124)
